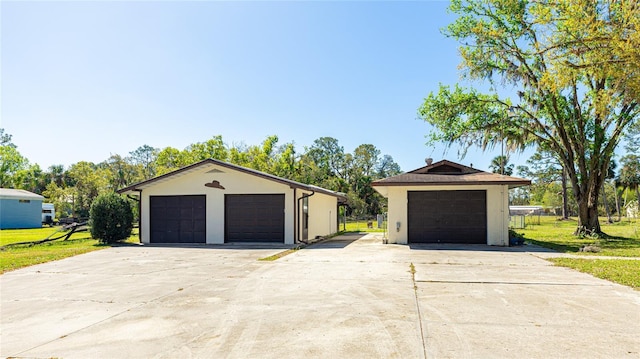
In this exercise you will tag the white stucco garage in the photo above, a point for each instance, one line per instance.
(446, 202)
(216, 202)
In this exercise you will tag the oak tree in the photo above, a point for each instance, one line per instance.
(573, 69)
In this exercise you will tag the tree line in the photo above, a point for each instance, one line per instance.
(324, 163)
(550, 189)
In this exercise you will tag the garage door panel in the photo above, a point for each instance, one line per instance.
(254, 218)
(473, 222)
(187, 224)
(157, 212)
(178, 219)
(186, 237)
(171, 201)
(158, 236)
(200, 214)
(158, 227)
(172, 225)
(186, 214)
(172, 237)
(164, 236)
(200, 225)
(447, 217)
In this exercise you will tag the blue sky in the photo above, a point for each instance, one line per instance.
(83, 80)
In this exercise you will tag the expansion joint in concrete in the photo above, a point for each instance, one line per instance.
(415, 294)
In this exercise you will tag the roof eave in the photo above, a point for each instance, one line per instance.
(293, 184)
(512, 184)
(310, 188)
(129, 191)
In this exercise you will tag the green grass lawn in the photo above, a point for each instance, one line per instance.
(19, 256)
(361, 226)
(624, 238)
(8, 236)
(622, 271)
(623, 241)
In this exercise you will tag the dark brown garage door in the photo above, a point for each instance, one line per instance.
(254, 217)
(178, 219)
(447, 217)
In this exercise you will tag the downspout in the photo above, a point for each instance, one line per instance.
(295, 212)
(338, 217)
(299, 199)
(139, 200)
(502, 230)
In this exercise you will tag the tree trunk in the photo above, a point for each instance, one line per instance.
(587, 177)
(606, 204)
(615, 193)
(587, 198)
(73, 206)
(588, 223)
(565, 200)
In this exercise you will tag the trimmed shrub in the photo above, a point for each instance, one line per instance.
(111, 218)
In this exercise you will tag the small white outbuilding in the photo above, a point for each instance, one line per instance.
(446, 202)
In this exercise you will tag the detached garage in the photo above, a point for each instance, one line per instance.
(215, 202)
(446, 202)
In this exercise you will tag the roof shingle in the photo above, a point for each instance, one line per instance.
(450, 173)
(212, 162)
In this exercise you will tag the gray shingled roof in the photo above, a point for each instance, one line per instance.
(450, 173)
(209, 162)
(10, 193)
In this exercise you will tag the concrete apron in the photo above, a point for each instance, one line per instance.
(510, 305)
(348, 297)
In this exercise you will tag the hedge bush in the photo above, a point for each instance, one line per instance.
(111, 218)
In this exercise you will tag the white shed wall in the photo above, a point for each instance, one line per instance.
(497, 211)
(322, 215)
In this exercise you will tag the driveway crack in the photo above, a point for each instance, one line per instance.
(415, 294)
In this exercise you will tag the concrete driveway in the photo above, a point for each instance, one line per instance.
(349, 297)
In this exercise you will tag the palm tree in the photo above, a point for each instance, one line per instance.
(611, 174)
(629, 176)
(57, 174)
(499, 165)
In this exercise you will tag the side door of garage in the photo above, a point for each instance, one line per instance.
(178, 219)
(254, 218)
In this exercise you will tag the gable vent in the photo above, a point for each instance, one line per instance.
(445, 169)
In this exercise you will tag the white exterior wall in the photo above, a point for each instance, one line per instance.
(322, 215)
(235, 182)
(497, 211)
